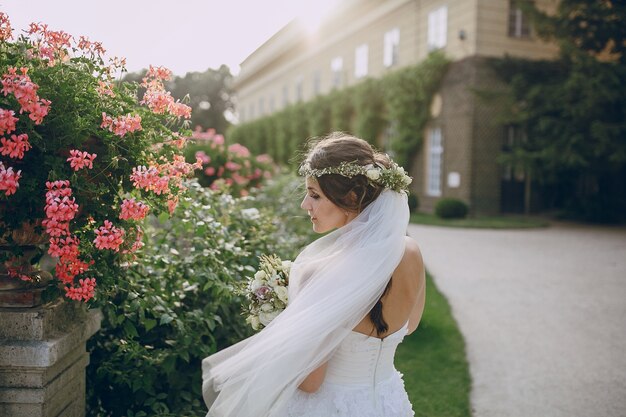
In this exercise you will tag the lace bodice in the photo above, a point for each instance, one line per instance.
(364, 360)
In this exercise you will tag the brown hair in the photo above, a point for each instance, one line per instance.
(352, 194)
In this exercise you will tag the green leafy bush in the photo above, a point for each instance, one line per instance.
(175, 305)
(451, 208)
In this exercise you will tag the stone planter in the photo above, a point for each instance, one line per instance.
(43, 358)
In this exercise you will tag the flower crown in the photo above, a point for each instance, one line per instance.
(394, 177)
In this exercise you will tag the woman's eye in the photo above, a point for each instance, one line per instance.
(314, 196)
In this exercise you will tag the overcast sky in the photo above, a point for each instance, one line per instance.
(182, 35)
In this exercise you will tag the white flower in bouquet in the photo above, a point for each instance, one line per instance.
(267, 291)
(266, 317)
(282, 294)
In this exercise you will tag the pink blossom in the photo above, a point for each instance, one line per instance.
(16, 146)
(264, 158)
(109, 237)
(209, 171)
(159, 73)
(64, 247)
(137, 244)
(232, 166)
(9, 180)
(25, 91)
(135, 210)
(240, 180)
(179, 109)
(150, 180)
(121, 125)
(79, 160)
(218, 140)
(239, 150)
(244, 192)
(7, 121)
(204, 158)
(85, 291)
(5, 27)
(105, 88)
(220, 171)
(171, 204)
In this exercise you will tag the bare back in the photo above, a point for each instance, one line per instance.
(405, 299)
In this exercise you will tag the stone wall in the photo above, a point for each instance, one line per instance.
(43, 359)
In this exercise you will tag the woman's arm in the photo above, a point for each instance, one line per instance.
(414, 267)
(313, 382)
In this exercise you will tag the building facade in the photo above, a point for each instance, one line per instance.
(370, 38)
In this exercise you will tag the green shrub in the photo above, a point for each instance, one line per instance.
(413, 203)
(175, 305)
(451, 208)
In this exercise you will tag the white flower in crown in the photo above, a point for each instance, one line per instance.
(260, 275)
(266, 318)
(373, 174)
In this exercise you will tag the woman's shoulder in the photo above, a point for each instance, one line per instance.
(411, 262)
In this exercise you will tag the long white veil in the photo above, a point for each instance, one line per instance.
(334, 283)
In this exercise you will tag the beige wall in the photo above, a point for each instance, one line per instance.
(292, 54)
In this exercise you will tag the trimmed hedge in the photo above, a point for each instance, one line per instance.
(451, 208)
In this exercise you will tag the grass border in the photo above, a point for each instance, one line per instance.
(482, 222)
(434, 363)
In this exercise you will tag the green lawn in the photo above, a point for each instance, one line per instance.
(495, 222)
(433, 362)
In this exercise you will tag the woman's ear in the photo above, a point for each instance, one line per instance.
(352, 198)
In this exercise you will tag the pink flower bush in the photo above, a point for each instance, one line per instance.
(232, 165)
(93, 161)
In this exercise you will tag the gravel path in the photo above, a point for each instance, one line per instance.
(543, 314)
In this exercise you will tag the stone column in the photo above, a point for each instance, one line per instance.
(43, 359)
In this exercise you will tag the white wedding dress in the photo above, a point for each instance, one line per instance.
(361, 381)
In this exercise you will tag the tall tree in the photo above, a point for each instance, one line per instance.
(573, 110)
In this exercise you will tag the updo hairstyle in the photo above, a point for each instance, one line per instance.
(338, 147)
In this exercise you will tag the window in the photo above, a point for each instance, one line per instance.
(514, 138)
(360, 61)
(519, 26)
(251, 111)
(392, 41)
(435, 150)
(336, 67)
(437, 28)
(285, 96)
(317, 82)
(261, 106)
(299, 89)
(271, 104)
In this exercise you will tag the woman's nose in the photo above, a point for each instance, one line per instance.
(304, 204)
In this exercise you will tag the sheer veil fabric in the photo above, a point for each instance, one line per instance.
(334, 283)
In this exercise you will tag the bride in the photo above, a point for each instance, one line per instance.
(353, 295)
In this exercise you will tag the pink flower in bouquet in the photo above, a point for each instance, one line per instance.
(262, 292)
(109, 237)
(135, 210)
(79, 160)
(15, 146)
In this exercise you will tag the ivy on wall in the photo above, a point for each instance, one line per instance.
(401, 98)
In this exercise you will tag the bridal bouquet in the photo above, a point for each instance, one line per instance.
(267, 291)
